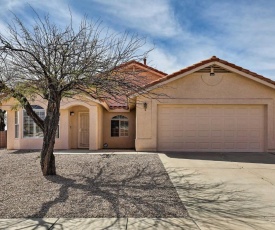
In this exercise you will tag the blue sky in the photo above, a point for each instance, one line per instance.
(182, 32)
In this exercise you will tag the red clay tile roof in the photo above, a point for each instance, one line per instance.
(212, 59)
(122, 103)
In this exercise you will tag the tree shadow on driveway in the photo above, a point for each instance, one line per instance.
(221, 205)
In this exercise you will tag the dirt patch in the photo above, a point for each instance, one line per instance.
(87, 186)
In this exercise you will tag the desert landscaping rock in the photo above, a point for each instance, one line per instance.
(87, 186)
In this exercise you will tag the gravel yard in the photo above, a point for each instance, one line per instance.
(87, 186)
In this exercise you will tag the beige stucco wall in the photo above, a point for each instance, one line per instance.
(33, 143)
(200, 88)
(68, 126)
(119, 142)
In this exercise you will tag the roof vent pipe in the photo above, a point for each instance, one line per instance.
(144, 61)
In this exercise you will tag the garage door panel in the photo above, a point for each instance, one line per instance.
(229, 145)
(228, 112)
(256, 112)
(242, 123)
(255, 134)
(190, 122)
(243, 135)
(216, 134)
(216, 111)
(255, 145)
(256, 123)
(178, 133)
(190, 145)
(216, 145)
(204, 133)
(230, 123)
(202, 111)
(191, 133)
(211, 128)
(241, 145)
(203, 145)
(242, 112)
(190, 111)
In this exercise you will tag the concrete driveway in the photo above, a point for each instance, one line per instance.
(225, 190)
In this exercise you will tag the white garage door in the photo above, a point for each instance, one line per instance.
(230, 128)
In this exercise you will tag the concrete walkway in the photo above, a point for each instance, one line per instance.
(97, 223)
(219, 190)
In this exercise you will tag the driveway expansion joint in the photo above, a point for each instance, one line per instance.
(50, 228)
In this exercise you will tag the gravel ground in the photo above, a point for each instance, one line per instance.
(87, 186)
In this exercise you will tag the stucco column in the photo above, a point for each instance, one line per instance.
(146, 125)
(10, 128)
(64, 124)
(93, 129)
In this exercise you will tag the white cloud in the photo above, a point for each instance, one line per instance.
(240, 33)
(246, 34)
(58, 10)
(156, 18)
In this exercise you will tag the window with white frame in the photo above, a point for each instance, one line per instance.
(16, 122)
(31, 129)
(119, 126)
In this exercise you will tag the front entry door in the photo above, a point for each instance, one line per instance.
(83, 133)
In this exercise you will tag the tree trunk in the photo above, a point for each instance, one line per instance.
(51, 121)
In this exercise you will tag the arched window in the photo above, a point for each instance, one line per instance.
(29, 126)
(119, 126)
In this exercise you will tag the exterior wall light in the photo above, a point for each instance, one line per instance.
(71, 113)
(212, 71)
(145, 105)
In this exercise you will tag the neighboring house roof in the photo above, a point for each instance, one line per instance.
(204, 62)
(122, 102)
(143, 66)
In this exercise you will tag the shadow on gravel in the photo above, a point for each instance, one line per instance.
(133, 188)
(114, 186)
(23, 151)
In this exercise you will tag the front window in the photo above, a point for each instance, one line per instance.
(16, 122)
(119, 126)
(31, 129)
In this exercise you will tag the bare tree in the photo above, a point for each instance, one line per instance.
(56, 62)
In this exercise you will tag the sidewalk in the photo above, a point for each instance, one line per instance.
(101, 151)
(97, 223)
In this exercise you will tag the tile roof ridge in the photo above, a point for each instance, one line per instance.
(209, 60)
(142, 65)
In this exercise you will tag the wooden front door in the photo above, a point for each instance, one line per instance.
(83, 133)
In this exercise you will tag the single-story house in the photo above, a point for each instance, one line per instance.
(213, 105)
